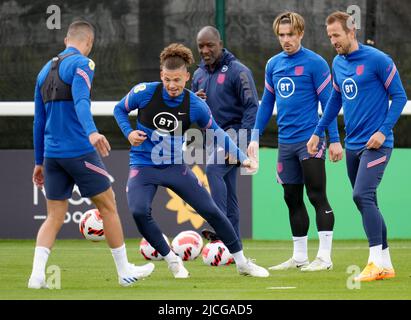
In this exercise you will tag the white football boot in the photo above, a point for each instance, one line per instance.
(177, 268)
(318, 265)
(290, 264)
(251, 269)
(35, 283)
(136, 273)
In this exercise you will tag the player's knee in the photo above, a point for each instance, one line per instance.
(292, 199)
(107, 211)
(141, 211)
(55, 220)
(107, 208)
(317, 197)
(361, 199)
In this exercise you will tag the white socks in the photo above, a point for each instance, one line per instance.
(41, 255)
(324, 249)
(170, 257)
(300, 249)
(239, 258)
(376, 255)
(386, 259)
(120, 259)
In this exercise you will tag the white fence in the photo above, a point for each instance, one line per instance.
(98, 108)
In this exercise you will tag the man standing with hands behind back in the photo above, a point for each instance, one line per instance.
(229, 90)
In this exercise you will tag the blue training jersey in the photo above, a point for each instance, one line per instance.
(61, 128)
(297, 83)
(363, 81)
(171, 146)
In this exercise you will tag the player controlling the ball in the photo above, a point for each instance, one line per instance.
(156, 156)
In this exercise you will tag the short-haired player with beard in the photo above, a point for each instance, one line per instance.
(364, 78)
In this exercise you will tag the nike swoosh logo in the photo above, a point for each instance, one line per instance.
(181, 113)
(328, 211)
(299, 265)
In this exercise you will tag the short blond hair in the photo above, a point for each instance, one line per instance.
(297, 22)
(80, 30)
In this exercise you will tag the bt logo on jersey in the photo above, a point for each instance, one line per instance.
(286, 87)
(165, 122)
(350, 88)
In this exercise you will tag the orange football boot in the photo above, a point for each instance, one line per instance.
(370, 273)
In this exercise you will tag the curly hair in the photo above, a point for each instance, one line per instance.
(175, 56)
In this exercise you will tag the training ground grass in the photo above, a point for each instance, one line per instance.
(88, 272)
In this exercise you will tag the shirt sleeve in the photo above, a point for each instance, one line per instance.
(322, 82)
(80, 90)
(389, 75)
(247, 92)
(201, 114)
(331, 109)
(137, 97)
(265, 111)
(39, 125)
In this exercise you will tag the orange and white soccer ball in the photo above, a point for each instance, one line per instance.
(91, 225)
(148, 252)
(216, 254)
(187, 245)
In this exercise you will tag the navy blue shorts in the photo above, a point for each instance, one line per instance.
(290, 156)
(87, 172)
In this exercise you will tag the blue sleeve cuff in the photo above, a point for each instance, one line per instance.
(385, 131)
(318, 131)
(127, 133)
(334, 139)
(255, 135)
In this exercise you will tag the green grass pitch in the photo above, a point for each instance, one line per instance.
(88, 272)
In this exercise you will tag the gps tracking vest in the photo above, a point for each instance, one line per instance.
(157, 115)
(53, 88)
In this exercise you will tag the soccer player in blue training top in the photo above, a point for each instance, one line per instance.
(297, 79)
(65, 144)
(165, 111)
(229, 90)
(363, 79)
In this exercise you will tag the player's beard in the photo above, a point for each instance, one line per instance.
(345, 49)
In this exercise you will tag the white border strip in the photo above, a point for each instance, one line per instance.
(26, 108)
(98, 108)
